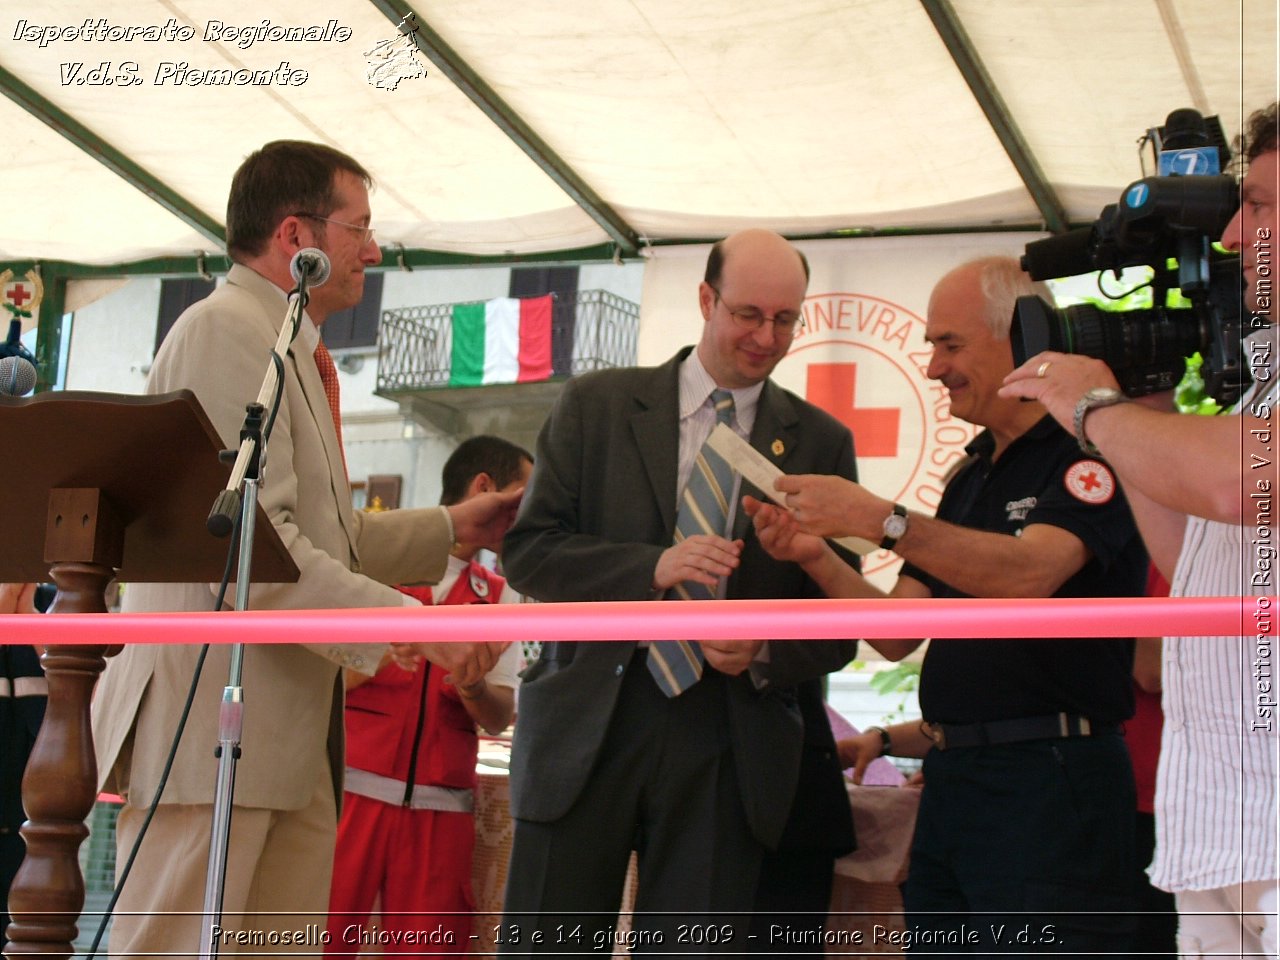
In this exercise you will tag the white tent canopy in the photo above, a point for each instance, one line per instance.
(659, 120)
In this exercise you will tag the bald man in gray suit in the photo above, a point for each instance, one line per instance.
(700, 784)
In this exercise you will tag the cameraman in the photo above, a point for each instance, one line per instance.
(1202, 489)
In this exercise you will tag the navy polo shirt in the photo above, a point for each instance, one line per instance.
(1042, 477)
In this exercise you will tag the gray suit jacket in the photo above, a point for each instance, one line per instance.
(219, 348)
(599, 511)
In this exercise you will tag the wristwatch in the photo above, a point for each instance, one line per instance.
(895, 526)
(1092, 400)
(886, 744)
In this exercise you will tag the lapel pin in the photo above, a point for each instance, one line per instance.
(777, 448)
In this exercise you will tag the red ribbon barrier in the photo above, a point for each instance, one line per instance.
(651, 620)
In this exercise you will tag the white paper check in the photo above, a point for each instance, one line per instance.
(756, 469)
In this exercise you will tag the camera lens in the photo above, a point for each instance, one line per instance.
(1146, 349)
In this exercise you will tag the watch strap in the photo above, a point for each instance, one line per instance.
(889, 542)
(886, 744)
(1092, 401)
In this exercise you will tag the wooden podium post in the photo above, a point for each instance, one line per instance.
(104, 486)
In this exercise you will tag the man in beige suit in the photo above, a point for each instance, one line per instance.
(287, 196)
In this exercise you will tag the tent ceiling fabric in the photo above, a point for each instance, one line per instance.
(689, 120)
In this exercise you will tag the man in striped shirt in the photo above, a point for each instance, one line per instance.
(1202, 490)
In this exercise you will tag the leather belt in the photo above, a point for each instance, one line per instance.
(24, 687)
(945, 736)
(424, 796)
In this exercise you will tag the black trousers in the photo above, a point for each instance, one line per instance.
(1157, 933)
(1024, 849)
(664, 785)
(792, 903)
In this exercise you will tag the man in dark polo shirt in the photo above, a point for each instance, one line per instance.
(1024, 840)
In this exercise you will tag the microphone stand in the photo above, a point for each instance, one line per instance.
(247, 473)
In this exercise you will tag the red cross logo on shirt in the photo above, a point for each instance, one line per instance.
(833, 387)
(1090, 482)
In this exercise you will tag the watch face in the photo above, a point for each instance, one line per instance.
(1104, 393)
(895, 526)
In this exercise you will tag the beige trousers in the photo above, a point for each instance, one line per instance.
(276, 899)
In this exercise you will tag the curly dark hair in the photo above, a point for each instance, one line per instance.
(1261, 134)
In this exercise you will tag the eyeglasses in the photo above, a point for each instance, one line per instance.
(365, 232)
(785, 323)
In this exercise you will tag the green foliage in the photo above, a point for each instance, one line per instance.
(1189, 395)
(1131, 291)
(901, 680)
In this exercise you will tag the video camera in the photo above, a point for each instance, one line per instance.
(1174, 216)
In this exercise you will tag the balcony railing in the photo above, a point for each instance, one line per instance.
(594, 330)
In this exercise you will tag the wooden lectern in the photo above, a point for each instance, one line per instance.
(98, 487)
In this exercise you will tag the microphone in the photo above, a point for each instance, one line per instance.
(310, 263)
(12, 346)
(17, 377)
(1065, 255)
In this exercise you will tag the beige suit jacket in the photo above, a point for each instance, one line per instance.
(219, 348)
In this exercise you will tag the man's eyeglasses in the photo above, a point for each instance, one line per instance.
(785, 323)
(365, 232)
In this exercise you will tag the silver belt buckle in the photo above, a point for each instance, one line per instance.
(1073, 726)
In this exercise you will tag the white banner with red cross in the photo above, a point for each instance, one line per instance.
(861, 354)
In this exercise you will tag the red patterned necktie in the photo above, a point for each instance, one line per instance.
(329, 377)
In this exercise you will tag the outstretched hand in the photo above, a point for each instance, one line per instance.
(830, 506)
(1057, 381)
(17, 598)
(484, 519)
(858, 751)
(465, 664)
(778, 533)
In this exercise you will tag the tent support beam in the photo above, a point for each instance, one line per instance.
(396, 258)
(958, 44)
(513, 125)
(49, 325)
(115, 161)
(393, 258)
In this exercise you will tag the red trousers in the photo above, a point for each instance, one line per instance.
(419, 861)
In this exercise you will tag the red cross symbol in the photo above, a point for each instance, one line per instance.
(19, 295)
(832, 386)
(1090, 481)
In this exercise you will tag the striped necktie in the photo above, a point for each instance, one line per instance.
(329, 377)
(676, 665)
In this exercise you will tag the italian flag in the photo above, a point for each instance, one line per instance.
(501, 341)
